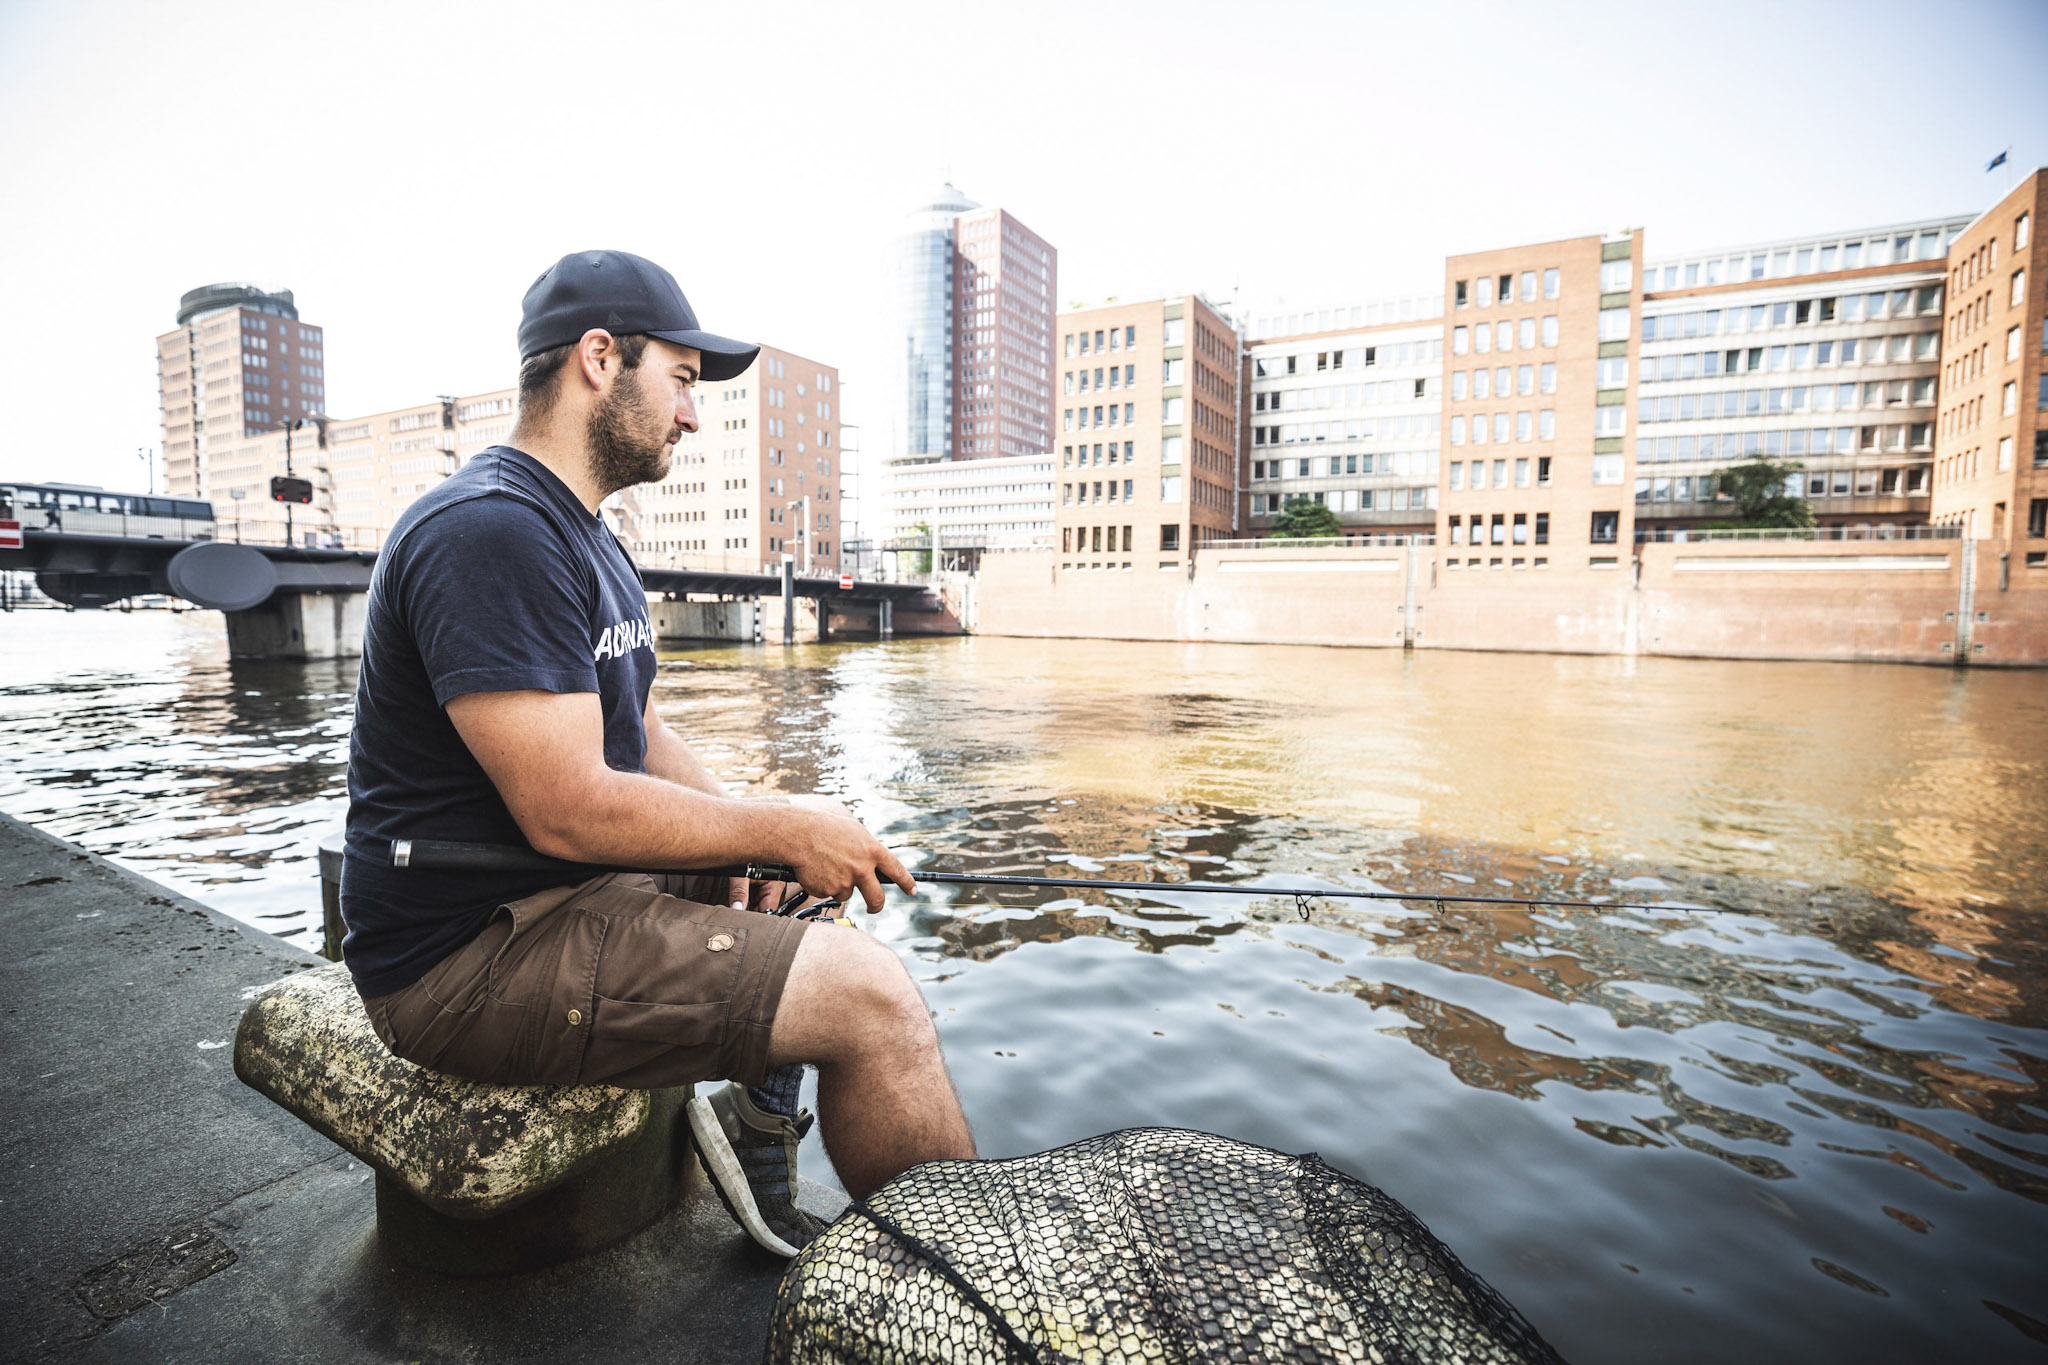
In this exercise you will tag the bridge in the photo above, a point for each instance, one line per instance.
(285, 601)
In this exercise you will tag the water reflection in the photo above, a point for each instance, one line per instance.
(1796, 1109)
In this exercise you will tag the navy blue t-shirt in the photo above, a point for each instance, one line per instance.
(497, 580)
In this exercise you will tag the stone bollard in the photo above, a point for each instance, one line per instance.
(330, 896)
(472, 1178)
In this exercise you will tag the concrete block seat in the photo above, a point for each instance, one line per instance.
(472, 1178)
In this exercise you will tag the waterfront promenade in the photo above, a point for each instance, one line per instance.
(155, 1208)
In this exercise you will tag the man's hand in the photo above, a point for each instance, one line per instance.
(834, 855)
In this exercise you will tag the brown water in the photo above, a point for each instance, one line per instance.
(1805, 1121)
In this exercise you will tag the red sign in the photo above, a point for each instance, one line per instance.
(845, 580)
(10, 535)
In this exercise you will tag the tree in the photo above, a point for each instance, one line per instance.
(921, 560)
(1306, 519)
(1759, 490)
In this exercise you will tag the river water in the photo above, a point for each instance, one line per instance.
(1794, 1112)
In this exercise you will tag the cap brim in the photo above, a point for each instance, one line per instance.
(724, 358)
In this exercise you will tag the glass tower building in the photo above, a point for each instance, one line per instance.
(919, 411)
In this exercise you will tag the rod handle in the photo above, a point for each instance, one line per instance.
(453, 855)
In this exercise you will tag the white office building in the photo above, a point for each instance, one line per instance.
(1006, 501)
(1346, 409)
(1824, 351)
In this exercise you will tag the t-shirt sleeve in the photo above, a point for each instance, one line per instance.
(496, 602)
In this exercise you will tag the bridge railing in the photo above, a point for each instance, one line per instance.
(714, 561)
(304, 537)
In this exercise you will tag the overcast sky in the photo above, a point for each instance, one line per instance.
(407, 169)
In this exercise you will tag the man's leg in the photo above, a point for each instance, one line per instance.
(885, 1102)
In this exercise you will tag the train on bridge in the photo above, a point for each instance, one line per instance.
(85, 510)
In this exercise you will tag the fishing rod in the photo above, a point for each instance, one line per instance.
(451, 856)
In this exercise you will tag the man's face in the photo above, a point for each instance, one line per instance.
(641, 414)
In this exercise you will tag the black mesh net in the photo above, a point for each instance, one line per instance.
(1152, 1244)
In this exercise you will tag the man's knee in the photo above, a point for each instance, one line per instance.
(849, 993)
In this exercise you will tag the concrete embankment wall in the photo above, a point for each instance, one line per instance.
(751, 619)
(1875, 601)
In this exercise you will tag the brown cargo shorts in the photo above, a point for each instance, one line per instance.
(627, 979)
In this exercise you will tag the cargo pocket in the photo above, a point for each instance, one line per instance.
(644, 1042)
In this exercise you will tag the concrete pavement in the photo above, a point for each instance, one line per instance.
(152, 1208)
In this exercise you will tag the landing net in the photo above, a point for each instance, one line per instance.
(1152, 1244)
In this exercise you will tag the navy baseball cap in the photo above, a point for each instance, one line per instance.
(625, 295)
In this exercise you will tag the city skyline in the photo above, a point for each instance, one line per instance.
(402, 210)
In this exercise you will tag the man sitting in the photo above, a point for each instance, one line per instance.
(504, 698)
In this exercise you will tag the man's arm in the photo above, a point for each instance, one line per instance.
(544, 751)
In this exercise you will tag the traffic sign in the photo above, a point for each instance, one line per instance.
(10, 535)
(846, 582)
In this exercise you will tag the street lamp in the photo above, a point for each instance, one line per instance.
(147, 454)
(803, 533)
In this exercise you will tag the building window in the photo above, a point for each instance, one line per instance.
(1550, 329)
(1542, 527)
(1459, 292)
(1607, 469)
(1610, 420)
(2004, 453)
(2011, 401)
(1169, 538)
(1460, 340)
(2037, 513)
(1458, 529)
(1613, 324)
(1606, 527)
(1169, 488)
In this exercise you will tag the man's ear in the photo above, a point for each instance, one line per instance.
(594, 353)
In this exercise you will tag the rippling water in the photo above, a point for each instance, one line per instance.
(1804, 1120)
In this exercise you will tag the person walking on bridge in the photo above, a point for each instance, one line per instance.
(505, 697)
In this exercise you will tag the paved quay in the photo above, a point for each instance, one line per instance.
(153, 1208)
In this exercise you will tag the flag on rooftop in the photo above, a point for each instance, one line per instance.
(1997, 161)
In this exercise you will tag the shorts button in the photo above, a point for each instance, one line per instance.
(719, 942)
(575, 1016)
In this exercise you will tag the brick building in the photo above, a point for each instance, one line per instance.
(759, 478)
(1149, 451)
(1991, 440)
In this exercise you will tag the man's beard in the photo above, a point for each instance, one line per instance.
(628, 445)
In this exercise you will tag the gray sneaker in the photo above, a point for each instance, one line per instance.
(750, 1156)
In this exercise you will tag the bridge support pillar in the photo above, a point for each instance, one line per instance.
(888, 615)
(300, 625)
